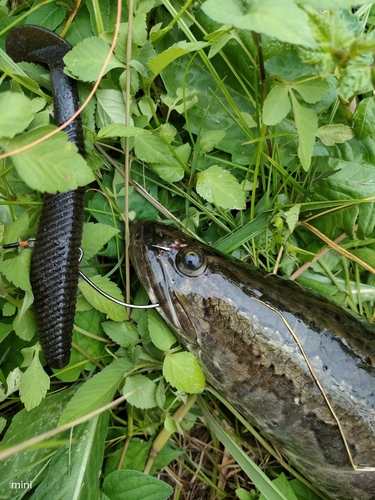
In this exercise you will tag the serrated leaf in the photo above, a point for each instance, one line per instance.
(313, 90)
(86, 59)
(124, 334)
(209, 140)
(114, 311)
(34, 384)
(182, 371)
(218, 186)
(96, 392)
(307, 124)
(161, 61)
(284, 487)
(135, 485)
(337, 133)
(160, 333)
(364, 118)
(276, 105)
(263, 16)
(145, 391)
(17, 270)
(52, 165)
(95, 236)
(16, 113)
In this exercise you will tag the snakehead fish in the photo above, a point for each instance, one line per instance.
(296, 365)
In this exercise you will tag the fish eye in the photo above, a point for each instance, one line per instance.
(191, 261)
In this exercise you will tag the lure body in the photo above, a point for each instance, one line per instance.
(55, 261)
(248, 330)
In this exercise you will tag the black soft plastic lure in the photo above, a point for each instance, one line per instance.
(55, 262)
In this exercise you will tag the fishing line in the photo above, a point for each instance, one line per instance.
(30, 243)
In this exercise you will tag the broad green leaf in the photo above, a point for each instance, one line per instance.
(75, 469)
(336, 133)
(124, 334)
(276, 105)
(95, 236)
(87, 58)
(16, 113)
(145, 391)
(50, 16)
(333, 4)
(34, 384)
(173, 171)
(17, 270)
(182, 371)
(119, 130)
(52, 165)
(307, 124)
(350, 181)
(161, 61)
(110, 107)
(160, 333)
(263, 16)
(26, 425)
(355, 79)
(114, 311)
(209, 141)
(218, 186)
(96, 392)
(151, 148)
(312, 90)
(364, 118)
(135, 485)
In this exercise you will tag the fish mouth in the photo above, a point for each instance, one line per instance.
(146, 248)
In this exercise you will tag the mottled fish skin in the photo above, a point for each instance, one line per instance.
(234, 318)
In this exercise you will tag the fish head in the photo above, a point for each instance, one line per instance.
(178, 272)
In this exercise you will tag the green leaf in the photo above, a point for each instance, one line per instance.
(12, 383)
(74, 470)
(95, 236)
(263, 16)
(145, 395)
(161, 61)
(52, 165)
(135, 485)
(218, 186)
(87, 58)
(307, 125)
(209, 141)
(17, 270)
(336, 133)
(16, 113)
(26, 425)
(34, 384)
(276, 105)
(120, 130)
(110, 107)
(96, 392)
(124, 334)
(182, 371)
(50, 16)
(160, 333)
(312, 90)
(114, 311)
(284, 486)
(364, 118)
